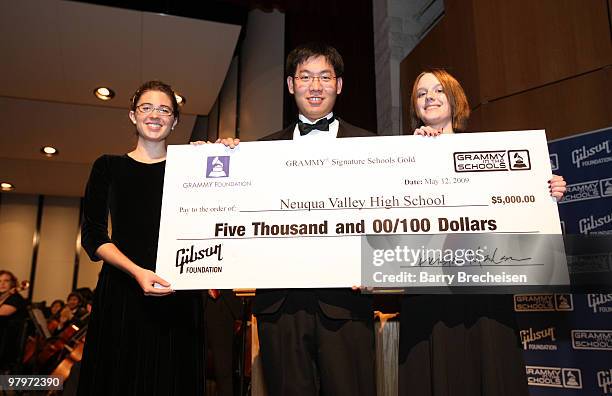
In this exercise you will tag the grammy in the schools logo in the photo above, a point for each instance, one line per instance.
(595, 340)
(581, 191)
(543, 302)
(556, 377)
(519, 159)
(492, 160)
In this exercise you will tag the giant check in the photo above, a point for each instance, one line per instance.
(290, 215)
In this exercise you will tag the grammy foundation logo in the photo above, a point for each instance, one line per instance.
(217, 166)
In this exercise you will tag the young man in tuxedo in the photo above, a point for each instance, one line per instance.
(316, 341)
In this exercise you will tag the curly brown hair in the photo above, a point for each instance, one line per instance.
(155, 85)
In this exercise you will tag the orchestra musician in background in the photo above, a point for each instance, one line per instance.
(12, 314)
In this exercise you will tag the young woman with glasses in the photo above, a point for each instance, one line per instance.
(143, 338)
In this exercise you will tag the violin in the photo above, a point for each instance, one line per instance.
(69, 335)
(75, 354)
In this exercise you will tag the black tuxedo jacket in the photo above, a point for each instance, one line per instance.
(335, 303)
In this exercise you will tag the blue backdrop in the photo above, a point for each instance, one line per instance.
(568, 338)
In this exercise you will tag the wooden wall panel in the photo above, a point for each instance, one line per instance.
(461, 43)
(523, 64)
(430, 52)
(449, 45)
(569, 107)
(525, 44)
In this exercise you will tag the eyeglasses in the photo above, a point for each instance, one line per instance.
(146, 108)
(324, 79)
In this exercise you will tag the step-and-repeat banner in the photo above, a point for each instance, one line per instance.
(567, 338)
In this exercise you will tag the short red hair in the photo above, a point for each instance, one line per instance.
(460, 109)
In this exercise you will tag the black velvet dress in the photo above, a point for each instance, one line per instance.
(136, 345)
(460, 345)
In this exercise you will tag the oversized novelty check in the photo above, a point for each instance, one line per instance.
(288, 214)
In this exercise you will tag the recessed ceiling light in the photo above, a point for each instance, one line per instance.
(5, 186)
(49, 151)
(180, 99)
(104, 93)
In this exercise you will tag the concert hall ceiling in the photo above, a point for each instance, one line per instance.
(55, 53)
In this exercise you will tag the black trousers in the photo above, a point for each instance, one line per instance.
(306, 353)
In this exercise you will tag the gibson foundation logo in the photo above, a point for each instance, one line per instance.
(590, 225)
(604, 380)
(583, 155)
(600, 303)
(556, 377)
(543, 302)
(596, 340)
(529, 338)
(190, 255)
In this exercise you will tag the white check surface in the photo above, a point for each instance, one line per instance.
(207, 234)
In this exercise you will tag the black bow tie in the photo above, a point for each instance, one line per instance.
(321, 125)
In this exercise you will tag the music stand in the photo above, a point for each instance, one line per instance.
(40, 322)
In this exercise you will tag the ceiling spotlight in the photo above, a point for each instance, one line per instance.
(49, 151)
(180, 99)
(4, 186)
(104, 93)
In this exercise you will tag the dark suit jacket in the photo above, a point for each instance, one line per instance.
(335, 303)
